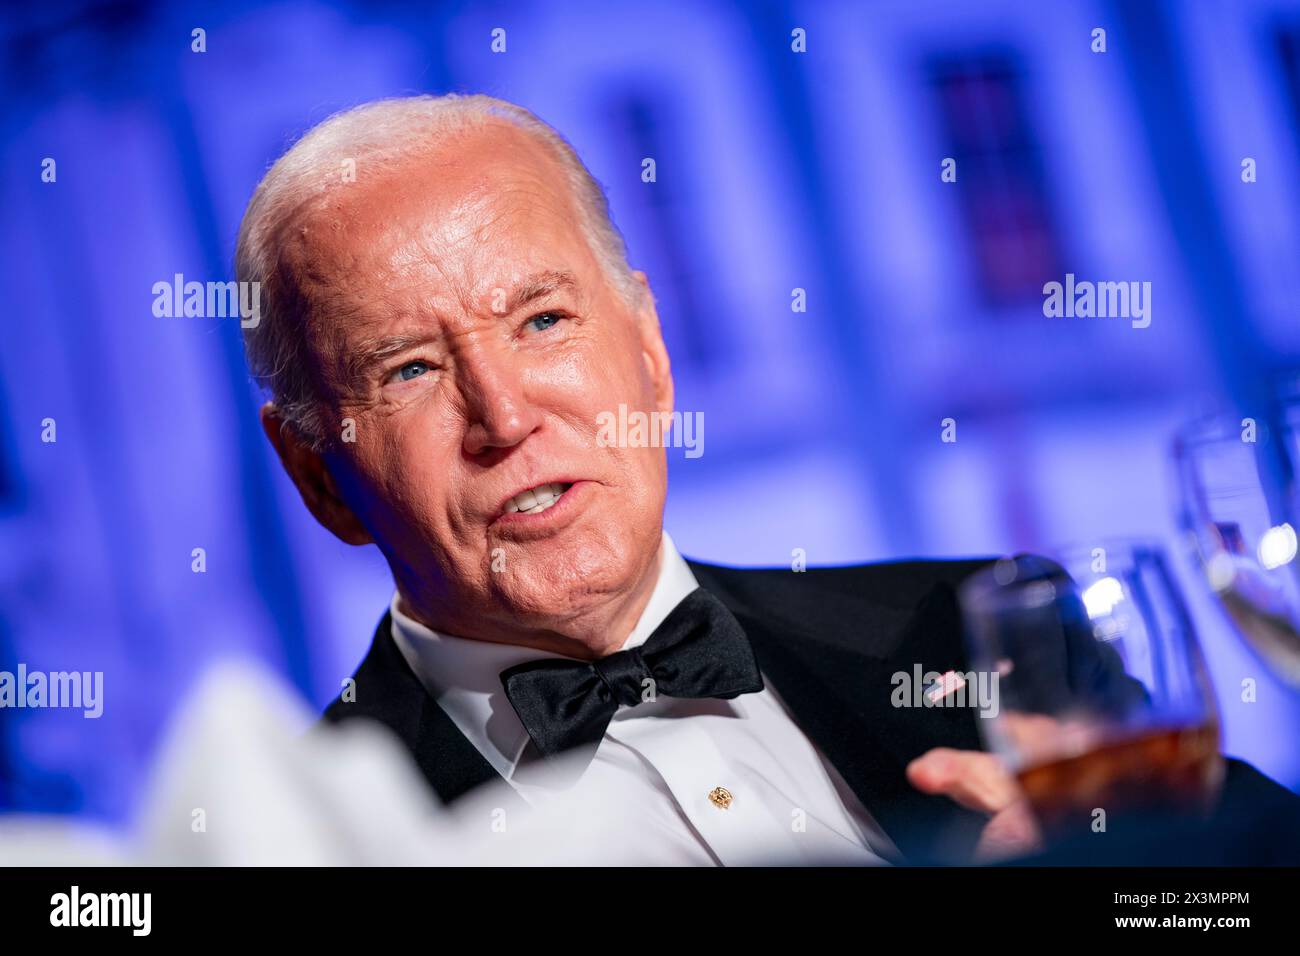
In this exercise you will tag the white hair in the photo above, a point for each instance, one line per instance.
(377, 135)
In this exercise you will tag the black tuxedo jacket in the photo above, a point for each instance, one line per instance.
(829, 641)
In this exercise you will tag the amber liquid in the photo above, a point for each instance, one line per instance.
(1158, 772)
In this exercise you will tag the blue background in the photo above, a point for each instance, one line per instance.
(776, 171)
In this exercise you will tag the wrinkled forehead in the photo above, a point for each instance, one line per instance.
(435, 238)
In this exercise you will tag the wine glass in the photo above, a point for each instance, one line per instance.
(1105, 711)
(1239, 506)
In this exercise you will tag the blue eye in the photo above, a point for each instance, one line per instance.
(544, 321)
(412, 370)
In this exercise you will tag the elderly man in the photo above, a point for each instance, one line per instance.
(447, 312)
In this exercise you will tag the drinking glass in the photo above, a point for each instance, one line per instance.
(1104, 707)
(1240, 506)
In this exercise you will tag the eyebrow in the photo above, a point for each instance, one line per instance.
(539, 286)
(378, 351)
(374, 352)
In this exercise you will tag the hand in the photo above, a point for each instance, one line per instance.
(980, 782)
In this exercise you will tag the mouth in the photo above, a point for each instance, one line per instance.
(535, 500)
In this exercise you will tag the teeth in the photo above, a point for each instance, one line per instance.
(536, 500)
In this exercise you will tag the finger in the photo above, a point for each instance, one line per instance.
(1013, 832)
(977, 781)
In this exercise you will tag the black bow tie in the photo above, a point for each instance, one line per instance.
(700, 650)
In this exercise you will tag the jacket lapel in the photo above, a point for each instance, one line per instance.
(388, 691)
(834, 667)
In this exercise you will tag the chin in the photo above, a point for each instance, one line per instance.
(578, 575)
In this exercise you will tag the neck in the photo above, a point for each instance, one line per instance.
(587, 633)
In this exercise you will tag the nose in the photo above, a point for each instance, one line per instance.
(498, 413)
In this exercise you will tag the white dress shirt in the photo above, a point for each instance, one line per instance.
(661, 759)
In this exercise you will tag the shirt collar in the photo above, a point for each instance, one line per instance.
(464, 676)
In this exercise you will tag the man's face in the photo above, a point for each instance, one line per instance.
(459, 318)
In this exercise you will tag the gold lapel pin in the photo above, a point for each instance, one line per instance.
(721, 797)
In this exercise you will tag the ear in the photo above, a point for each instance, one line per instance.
(312, 477)
(653, 351)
